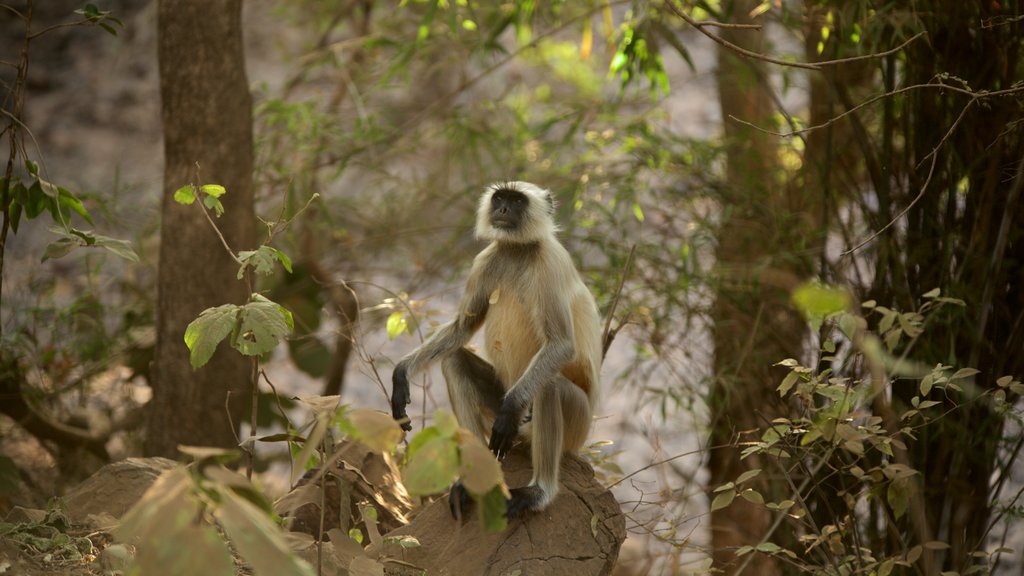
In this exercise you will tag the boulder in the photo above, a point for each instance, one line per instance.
(113, 489)
(580, 533)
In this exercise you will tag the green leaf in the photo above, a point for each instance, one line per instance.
(964, 373)
(262, 325)
(32, 168)
(748, 475)
(212, 203)
(215, 190)
(433, 467)
(817, 301)
(446, 423)
(788, 382)
(638, 212)
(492, 510)
(261, 260)
(723, 500)
(121, 248)
(768, 547)
(751, 495)
(185, 195)
(69, 201)
(283, 258)
(419, 441)
(898, 496)
(61, 247)
(396, 324)
(205, 332)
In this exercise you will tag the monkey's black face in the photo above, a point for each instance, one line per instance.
(508, 209)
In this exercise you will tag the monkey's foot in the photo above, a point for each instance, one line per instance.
(527, 498)
(458, 500)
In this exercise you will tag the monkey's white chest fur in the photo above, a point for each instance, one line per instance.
(507, 345)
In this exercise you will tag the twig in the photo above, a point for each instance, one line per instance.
(608, 336)
(699, 26)
(924, 187)
(876, 98)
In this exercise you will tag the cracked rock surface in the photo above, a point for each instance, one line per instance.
(580, 533)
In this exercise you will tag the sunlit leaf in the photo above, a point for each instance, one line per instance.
(185, 195)
(433, 467)
(816, 301)
(396, 324)
(374, 429)
(215, 190)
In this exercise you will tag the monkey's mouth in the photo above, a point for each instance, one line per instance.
(503, 223)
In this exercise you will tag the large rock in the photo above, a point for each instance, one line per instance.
(115, 488)
(579, 534)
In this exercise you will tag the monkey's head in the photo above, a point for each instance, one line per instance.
(516, 212)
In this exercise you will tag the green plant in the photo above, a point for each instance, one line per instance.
(844, 455)
(46, 535)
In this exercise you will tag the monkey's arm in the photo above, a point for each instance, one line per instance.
(450, 337)
(558, 349)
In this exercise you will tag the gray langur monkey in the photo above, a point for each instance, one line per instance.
(542, 337)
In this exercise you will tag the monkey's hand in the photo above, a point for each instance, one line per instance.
(400, 397)
(505, 430)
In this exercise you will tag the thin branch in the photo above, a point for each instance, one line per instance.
(13, 10)
(924, 187)
(700, 25)
(213, 224)
(876, 98)
(55, 27)
(663, 461)
(608, 335)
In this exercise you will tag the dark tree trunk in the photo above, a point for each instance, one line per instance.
(753, 325)
(207, 118)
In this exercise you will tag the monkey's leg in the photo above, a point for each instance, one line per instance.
(475, 393)
(473, 389)
(561, 423)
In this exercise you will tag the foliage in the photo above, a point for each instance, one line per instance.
(843, 453)
(47, 534)
(175, 523)
(444, 452)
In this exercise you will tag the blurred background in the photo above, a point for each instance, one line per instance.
(817, 342)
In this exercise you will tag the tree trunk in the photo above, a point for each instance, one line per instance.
(753, 325)
(207, 118)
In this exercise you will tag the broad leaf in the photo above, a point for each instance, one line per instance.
(479, 469)
(492, 510)
(121, 248)
(215, 190)
(258, 540)
(433, 468)
(396, 324)
(374, 429)
(261, 260)
(816, 302)
(204, 333)
(262, 325)
(185, 195)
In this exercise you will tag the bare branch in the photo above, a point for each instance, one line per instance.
(700, 25)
